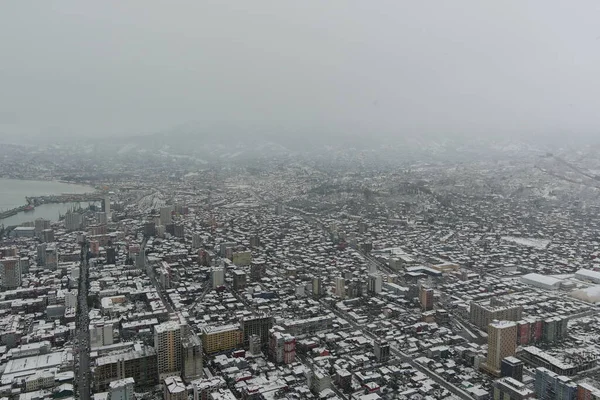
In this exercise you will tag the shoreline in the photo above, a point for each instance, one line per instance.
(40, 179)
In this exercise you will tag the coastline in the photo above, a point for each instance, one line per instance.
(42, 179)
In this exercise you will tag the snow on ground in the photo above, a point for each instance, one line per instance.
(590, 294)
(539, 244)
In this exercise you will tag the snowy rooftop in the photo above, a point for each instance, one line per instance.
(543, 279)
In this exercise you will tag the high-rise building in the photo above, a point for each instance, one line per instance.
(221, 338)
(41, 224)
(512, 367)
(51, 257)
(217, 277)
(226, 249)
(47, 235)
(482, 315)
(502, 343)
(317, 286)
(511, 389)
(41, 254)
(375, 283)
(256, 325)
(192, 357)
(167, 342)
(101, 334)
(355, 288)
(239, 280)
(254, 345)
(10, 272)
(282, 346)
(138, 362)
(165, 215)
(111, 255)
(381, 348)
(258, 270)
(426, 298)
(122, 389)
(178, 230)
(549, 385)
(73, 221)
(554, 329)
(340, 287)
(102, 218)
(149, 229)
(106, 206)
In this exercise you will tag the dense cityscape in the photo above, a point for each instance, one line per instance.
(297, 277)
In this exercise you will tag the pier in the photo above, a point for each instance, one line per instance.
(65, 198)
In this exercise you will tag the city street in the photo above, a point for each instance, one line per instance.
(82, 333)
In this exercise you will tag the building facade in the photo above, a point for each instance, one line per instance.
(502, 343)
(482, 315)
(167, 342)
(256, 325)
(221, 338)
(10, 272)
(192, 357)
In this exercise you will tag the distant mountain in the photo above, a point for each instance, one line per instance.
(235, 143)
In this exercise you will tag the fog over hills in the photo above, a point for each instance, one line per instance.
(231, 143)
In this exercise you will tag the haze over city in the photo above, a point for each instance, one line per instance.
(378, 69)
(290, 200)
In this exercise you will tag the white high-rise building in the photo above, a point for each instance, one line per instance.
(106, 202)
(167, 342)
(101, 334)
(217, 277)
(10, 272)
(340, 287)
(121, 389)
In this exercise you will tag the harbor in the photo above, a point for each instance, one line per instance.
(35, 201)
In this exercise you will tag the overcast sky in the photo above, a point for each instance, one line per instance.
(372, 66)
